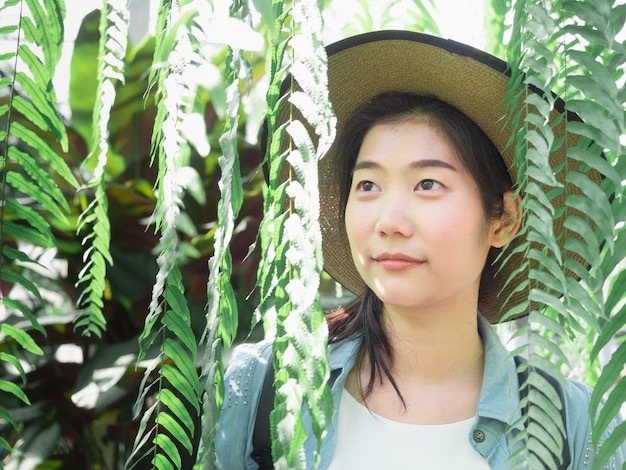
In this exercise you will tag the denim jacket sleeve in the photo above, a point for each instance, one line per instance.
(499, 408)
(579, 431)
(243, 383)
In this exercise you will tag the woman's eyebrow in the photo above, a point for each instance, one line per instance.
(367, 165)
(432, 162)
(425, 163)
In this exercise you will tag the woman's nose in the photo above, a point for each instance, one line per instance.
(394, 219)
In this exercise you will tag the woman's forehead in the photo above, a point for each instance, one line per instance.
(421, 142)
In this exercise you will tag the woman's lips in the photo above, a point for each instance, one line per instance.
(397, 261)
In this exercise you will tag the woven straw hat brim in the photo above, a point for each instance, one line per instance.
(364, 66)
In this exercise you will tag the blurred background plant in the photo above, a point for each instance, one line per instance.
(84, 226)
(81, 389)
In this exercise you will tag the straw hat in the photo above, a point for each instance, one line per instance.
(364, 66)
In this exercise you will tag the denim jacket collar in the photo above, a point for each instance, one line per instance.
(498, 398)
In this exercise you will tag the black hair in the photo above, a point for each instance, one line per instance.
(475, 151)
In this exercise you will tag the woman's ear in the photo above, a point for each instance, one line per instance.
(504, 229)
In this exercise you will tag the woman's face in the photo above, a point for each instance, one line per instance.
(414, 218)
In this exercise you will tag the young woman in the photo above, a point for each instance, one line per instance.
(417, 200)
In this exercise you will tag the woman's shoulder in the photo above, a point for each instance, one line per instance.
(250, 354)
(243, 383)
(246, 370)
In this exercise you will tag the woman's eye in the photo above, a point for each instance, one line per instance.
(428, 185)
(366, 186)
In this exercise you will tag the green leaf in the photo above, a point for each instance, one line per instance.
(169, 449)
(172, 426)
(7, 29)
(611, 408)
(182, 361)
(84, 76)
(15, 362)
(594, 194)
(228, 310)
(40, 111)
(6, 416)
(22, 337)
(182, 330)
(27, 214)
(17, 278)
(13, 389)
(43, 180)
(50, 23)
(161, 462)
(20, 307)
(29, 234)
(177, 408)
(180, 383)
(610, 445)
(608, 378)
(45, 151)
(600, 164)
(175, 298)
(597, 135)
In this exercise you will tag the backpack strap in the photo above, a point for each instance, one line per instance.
(262, 438)
(522, 377)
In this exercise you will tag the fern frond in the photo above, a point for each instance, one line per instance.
(114, 21)
(26, 342)
(569, 47)
(222, 318)
(179, 128)
(31, 134)
(533, 55)
(291, 237)
(599, 102)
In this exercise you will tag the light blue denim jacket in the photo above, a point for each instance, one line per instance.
(497, 407)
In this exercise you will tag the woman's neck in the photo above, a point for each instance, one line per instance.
(433, 346)
(437, 365)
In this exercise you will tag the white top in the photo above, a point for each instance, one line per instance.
(366, 441)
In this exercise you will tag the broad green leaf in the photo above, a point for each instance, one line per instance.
(597, 135)
(611, 409)
(600, 164)
(182, 331)
(15, 362)
(168, 448)
(181, 384)
(14, 390)
(173, 427)
(613, 442)
(6, 416)
(44, 150)
(228, 310)
(84, 76)
(161, 462)
(177, 301)
(608, 378)
(22, 337)
(25, 233)
(29, 215)
(50, 22)
(182, 361)
(8, 29)
(616, 295)
(176, 406)
(23, 309)
(40, 111)
(17, 278)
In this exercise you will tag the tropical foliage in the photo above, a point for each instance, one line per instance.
(131, 234)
